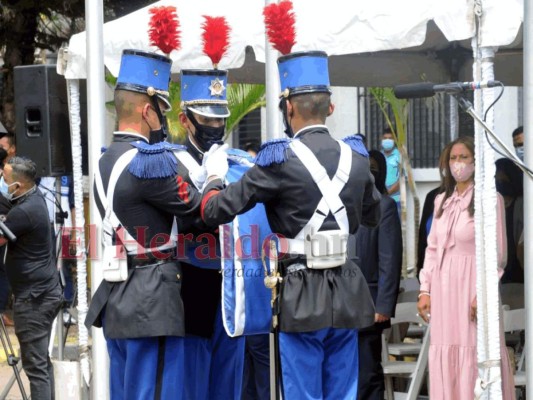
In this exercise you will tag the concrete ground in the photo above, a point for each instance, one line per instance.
(7, 371)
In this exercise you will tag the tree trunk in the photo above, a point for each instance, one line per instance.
(19, 43)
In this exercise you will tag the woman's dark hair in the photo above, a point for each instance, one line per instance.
(449, 181)
(381, 174)
(515, 174)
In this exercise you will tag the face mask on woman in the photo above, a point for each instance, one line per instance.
(462, 171)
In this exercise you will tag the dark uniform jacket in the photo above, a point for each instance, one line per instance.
(379, 254)
(148, 303)
(310, 299)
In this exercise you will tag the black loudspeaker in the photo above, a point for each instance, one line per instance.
(42, 119)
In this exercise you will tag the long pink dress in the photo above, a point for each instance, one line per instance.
(449, 274)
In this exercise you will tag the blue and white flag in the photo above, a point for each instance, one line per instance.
(245, 299)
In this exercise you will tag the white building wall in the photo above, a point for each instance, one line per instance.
(507, 115)
(344, 120)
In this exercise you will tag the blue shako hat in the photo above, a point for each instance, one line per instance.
(303, 72)
(144, 72)
(203, 91)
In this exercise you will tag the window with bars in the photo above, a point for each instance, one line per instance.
(428, 127)
(248, 130)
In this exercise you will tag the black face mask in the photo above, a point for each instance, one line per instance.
(206, 136)
(283, 107)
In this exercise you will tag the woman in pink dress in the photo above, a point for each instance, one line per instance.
(448, 282)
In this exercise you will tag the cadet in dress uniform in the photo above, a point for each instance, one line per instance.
(139, 193)
(214, 361)
(316, 190)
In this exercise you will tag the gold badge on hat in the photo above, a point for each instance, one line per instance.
(217, 87)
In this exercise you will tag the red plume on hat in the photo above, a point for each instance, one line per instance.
(215, 37)
(279, 23)
(164, 28)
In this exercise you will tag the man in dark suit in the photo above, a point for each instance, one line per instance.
(379, 251)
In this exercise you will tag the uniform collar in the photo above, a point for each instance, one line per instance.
(193, 150)
(304, 130)
(131, 134)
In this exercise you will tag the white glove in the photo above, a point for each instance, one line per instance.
(216, 161)
(199, 175)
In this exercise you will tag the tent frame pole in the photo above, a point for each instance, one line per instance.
(94, 13)
(528, 183)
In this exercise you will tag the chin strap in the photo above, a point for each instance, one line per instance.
(162, 118)
(286, 121)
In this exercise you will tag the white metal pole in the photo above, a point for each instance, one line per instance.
(272, 86)
(528, 183)
(94, 19)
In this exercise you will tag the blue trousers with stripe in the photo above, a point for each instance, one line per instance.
(146, 368)
(319, 365)
(214, 367)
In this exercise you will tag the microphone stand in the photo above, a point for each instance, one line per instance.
(467, 107)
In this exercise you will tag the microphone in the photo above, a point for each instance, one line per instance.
(428, 89)
(5, 231)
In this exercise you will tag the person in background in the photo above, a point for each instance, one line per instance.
(518, 142)
(379, 251)
(9, 150)
(4, 282)
(251, 148)
(8, 143)
(394, 161)
(510, 184)
(30, 268)
(427, 215)
(448, 282)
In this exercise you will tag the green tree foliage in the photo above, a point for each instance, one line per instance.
(398, 110)
(27, 26)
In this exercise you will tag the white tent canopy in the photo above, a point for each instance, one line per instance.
(364, 38)
(384, 42)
